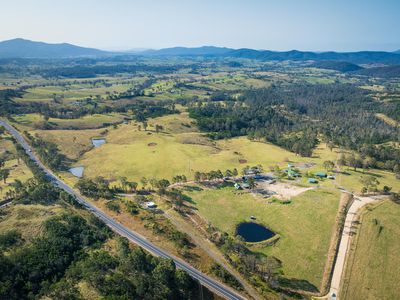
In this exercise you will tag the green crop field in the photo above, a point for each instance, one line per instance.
(374, 260)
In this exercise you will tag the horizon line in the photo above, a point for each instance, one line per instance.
(137, 49)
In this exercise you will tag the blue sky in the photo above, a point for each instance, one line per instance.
(317, 25)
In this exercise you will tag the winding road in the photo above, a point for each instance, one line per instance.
(134, 237)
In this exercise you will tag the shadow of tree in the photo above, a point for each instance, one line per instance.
(297, 284)
(191, 188)
(369, 173)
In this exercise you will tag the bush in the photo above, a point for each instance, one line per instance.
(131, 207)
(114, 206)
(226, 277)
(8, 239)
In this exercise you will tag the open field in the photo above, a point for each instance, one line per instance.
(72, 143)
(134, 154)
(225, 81)
(350, 180)
(27, 219)
(374, 259)
(178, 149)
(18, 170)
(176, 123)
(304, 226)
(36, 121)
(69, 93)
(388, 120)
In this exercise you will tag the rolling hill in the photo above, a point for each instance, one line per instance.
(341, 66)
(185, 51)
(361, 57)
(382, 72)
(21, 48)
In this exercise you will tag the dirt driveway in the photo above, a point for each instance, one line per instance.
(283, 190)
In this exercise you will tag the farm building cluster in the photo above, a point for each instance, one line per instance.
(266, 185)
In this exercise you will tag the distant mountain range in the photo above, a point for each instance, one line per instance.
(21, 48)
(361, 57)
(184, 51)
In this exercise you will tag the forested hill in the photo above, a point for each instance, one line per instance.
(184, 51)
(21, 48)
(383, 72)
(341, 66)
(362, 57)
(391, 71)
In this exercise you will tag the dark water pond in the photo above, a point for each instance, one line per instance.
(253, 232)
(77, 171)
(98, 142)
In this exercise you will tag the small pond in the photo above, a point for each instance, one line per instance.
(98, 142)
(77, 171)
(253, 232)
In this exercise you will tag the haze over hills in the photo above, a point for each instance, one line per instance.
(22, 48)
(185, 51)
(361, 57)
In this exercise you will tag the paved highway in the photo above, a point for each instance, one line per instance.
(207, 281)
